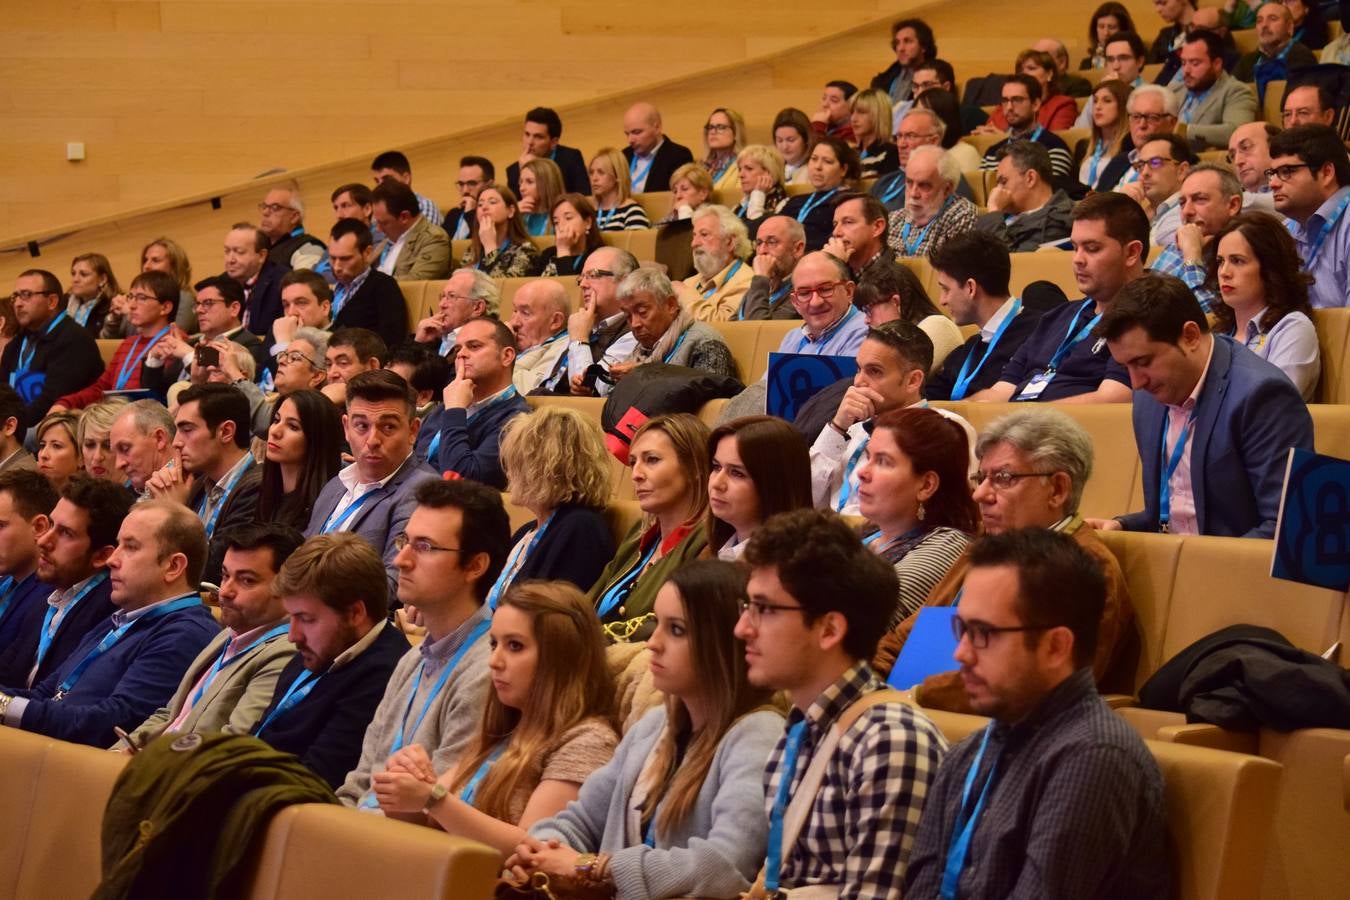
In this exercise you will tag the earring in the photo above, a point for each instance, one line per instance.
(920, 514)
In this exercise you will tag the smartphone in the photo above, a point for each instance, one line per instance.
(126, 739)
(208, 357)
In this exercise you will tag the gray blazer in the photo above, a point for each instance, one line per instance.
(1228, 104)
(380, 520)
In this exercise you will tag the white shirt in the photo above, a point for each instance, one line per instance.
(356, 489)
(387, 264)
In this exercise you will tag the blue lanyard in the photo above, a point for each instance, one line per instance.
(403, 732)
(963, 829)
(649, 837)
(1169, 464)
(773, 865)
(46, 637)
(132, 361)
(912, 246)
(1098, 151)
(470, 790)
(1071, 338)
(717, 287)
(634, 176)
(967, 373)
(773, 298)
(603, 217)
(813, 201)
(517, 559)
(619, 589)
(299, 690)
(671, 352)
(223, 663)
(331, 524)
(24, 363)
(896, 188)
(1328, 224)
(1035, 135)
(722, 170)
(83, 312)
(112, 637)
(433, 446)
(828, 332)
(846, 489)
(506, 395)
(224, 497)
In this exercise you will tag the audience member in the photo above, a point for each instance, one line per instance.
(597, 331)
(1213, 102)
(501, 247)
(13, 456)
(1072, 800)
(58, 454)
(1210, 197)
(893, 292)
(302, 365)
(541, 184)
(1309, 176)
(475, 173)
(690, 188)
(468, 294)
(478, 403)
(1163, 164)
(96, 452)
(1152, 110)
(720, 245)
(352, 201)
(615, 208)
(1310, 29)
(142, 441)
(652, 157)
(822, 296)
(350, 352)
(391, 165)
(1065, 82)
(1125, 57)
(1108, 20)
(918, 128)
(723, 138)
(281, 216)
(26, 503)
(1176, 16)
(302, 454)
(428, 375)
(780, 243)
(92, 287)
(307, 302)
(1109, 126)
(1021, 104)
(1338, 50)
(870, 118)
(1278, 52)
(958, 121)
(1308, 104)
(247, 262)
(763, 190)
(665, 331)
(415, 248)
(832, 118)
(792, 138)
(220, 309)
(933, 210)
(913, 44)
(758, 466)
(1026, 210)
(539, 314)
(576, 236)
(541, 138)
(1055, 111)
(833, 166)
(1205, 394)
(55, 355)
(859, 236)
(363, 297)
(165, 255)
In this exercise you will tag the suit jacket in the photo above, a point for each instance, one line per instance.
(1247, 417)
(234, 700)
(1228, 104)
(264, 299)
(15, 624)
(451, 222)
(669, 157)
(378, 520)
(569, 159)
(425, 255)
(64, 361)
(379, 307)
(241, 508)
(16, 658)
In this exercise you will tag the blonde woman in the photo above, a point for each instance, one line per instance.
(547, 725)
(615, 209)
(58, 456)
(870, 115)
(723, 138)
(92, 437)
(160, 255)
(92, 287)
(690, 188)
(762, 190)
(541, 184)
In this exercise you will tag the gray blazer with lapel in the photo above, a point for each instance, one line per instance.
(1228, 104)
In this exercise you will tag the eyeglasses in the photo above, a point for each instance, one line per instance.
(1156, 162)
(1003, 479)
(1150, 118)
(980, 633)
(25, 296)
(768, 243)
(913, 137)
(1285, 172)
(921, 86)
(143, 298)
(421, 546)
(451, 296)
(291, 357)
(716, 126)
(756, 611)
(206, 304)
(594, 275)
(826, 291)
(272, 208)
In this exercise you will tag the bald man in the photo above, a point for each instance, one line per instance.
(539, 314)
(652, 157)
(1277, 53)
(1067, 82)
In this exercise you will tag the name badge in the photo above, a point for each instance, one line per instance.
(1036, 386)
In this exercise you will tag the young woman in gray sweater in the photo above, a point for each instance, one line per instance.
(679, 811)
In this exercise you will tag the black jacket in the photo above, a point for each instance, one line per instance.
(264, 300)
(65, 360)
(379, 307)
(16, 659)
(939, 386)
(569, 159)
(241, 508)
(669, 157)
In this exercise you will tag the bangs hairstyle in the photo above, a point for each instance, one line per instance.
(178, 260)
(845, 156)
(553, 457)
(548, 181)
(689, 436)
(934, 443)
(340, 569)
(619, 166)
(766, 157)
(876, 104)
(777, 460)
(711, 593)
(321, 424)
(572, 683)
(584, 208)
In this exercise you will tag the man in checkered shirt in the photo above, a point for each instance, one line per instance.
(819, 601)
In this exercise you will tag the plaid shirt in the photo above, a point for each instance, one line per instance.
(957, 218)
(866, 814)
(1169, 262)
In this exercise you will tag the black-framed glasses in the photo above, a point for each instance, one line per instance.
(716, 126)
(756, 610)
(594, 275)
(1286, 171)
(420, 546)
(980, 632)
(206, 304)
(291, 357)
(138, 297)
(1150, 118)
(272, 208)
(25, 296)
(1003, 479)
(1155, 163)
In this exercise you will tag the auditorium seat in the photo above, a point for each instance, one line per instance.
(1331, 428)
(927, 275)
(1333, 341)
(1055, 266)
(982, 142)
(979, 191)
(107, 348)
(742, 338)
(656, 204)
(1307, 855)
(1149, 564)
(771, 333)
(1271, 109)
(797, 190)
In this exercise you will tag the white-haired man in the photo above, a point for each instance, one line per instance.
(933, 212)
(720, 245)
(539, 321)
(1152, 110)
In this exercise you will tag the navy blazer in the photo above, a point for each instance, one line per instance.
(124, 686)
(573, 166)
(576, 547)
(1247, 417)
(264, 299)
(669, 157)
(16, 657)
(472, 448)
(241, 508)
(327, 727)
(378, 307)
(380, 520)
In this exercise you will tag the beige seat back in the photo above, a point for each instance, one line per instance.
(1149, 563)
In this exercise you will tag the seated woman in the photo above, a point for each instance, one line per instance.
(762, 190)
(1057, 110)
(871, 120)
(679, 811)
(501, 247)
(945, 106)
(1108, 19)
(92, 287)
(541, 184)
(58, 454)
(723, 138)
(615, 209)
(1264, 294)
(833, 167)
(1310, 28)
(547, 725)
(887, 293)
(304, 446)
(793, 137)
(690, 188)
(1110, 125)
(92, 434)
(914, 485)
(557, 467)
(759, 466)
(669, 456)
(575, 236)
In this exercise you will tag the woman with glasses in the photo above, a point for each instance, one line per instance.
(763, 193)
(575, 236)
(669, 460)
(1260, 280)
(833, 167)
(615, 209)
(92, 287)
(914, 486)
(58, 451)
(541, 184)
(501, 246)
(1110, 125)
(1108, 19)
(723, 138)
(304, 445)
(679, 810)
(793, 139)
(301, 366)
(758, 466)
(870, 116)
(92, 436)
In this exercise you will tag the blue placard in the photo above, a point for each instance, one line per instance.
(795, 378)
(1312, 535)
(928, 650)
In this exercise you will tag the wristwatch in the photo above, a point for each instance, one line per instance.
(438, 792)
(5, 700)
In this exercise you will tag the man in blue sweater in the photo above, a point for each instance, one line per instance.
(26, 501)
(129, 666)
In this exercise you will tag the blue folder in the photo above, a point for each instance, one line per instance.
(929, 648)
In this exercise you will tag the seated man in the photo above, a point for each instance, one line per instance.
(364, 297)
(141, 439)
(1026, 211)
(938, 74)
(1195, 392)
(352, 201)
(478, 403)
(1069, 84)
(391, 165)
(26, 502)
(1042, 440)
(350, 352)
(972, 275)
(822, 297)
(665, 331)
(1163, 163)
(1021, 100)
(720, 244)
(1125, 55)
(373, 496)
(247, 262)
(1308, 104)
(1210, 196)
(336, 594)
(129, 665)
(1277, 53)
(1152, 110)
(892, 362)
(597, 332)
(933, 211)
(153, 304)
(475, 173)
(780, 241)
(652, 157)
(1213, 102)
(300, 366)
(468, 294)
(219, 308)
(817, 600)
(833, 117)
(1177, 16)
(539, 314)
(227, 687)
(52, 355)
(1071, 802)
(414, 248)
(1249, 149)
(214, 474)
(541, 139)
(281, 216)
(1061, 359)
(428, 375)
(913, 44)
(306, 302)
(435, 696)
(1309, 175)
(920, 127)
(859, 237)
(13, 456)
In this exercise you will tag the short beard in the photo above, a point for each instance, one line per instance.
(707, 264)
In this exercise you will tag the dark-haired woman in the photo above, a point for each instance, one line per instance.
(304, 446)
(832, 168)
(1107, 20)
(759, 466)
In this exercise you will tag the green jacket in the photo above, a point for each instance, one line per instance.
(630, 617)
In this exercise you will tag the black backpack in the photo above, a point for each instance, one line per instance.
(656, 389)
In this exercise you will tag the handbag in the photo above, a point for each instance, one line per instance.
(543, 886)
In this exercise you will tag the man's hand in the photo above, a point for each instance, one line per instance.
(998, 199)
(1191, 243)
(118, 306)
(284, 328)
(762, 264)
(621, 369)
(458, 394)
(335, 391)
(170, 483)
(432, 328)
(171, 346)
(836, 247)
(859, 404)
(581, 322)
(822, 114)
(1135, 192)
(1105, 524)
(578, 387)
